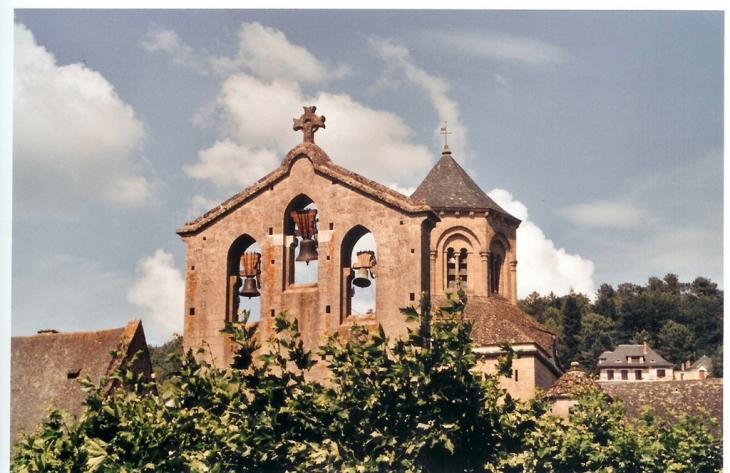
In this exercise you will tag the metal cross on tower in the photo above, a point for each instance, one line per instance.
(444, 131)
(309, 122)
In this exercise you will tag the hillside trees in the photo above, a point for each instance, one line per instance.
(682, 321)
(414, 404)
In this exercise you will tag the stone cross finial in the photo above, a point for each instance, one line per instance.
(309, 122)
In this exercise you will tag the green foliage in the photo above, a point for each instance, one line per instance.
(165, 359)
(413, 404)
(682, 321)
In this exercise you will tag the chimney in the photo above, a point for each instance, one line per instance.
(646, 348)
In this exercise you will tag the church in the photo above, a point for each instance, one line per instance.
(312, 238)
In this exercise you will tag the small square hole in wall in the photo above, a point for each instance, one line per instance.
(327, 309)
(192, 311)
(273, 261)
(412, 296)
(205, 238)
(271, 230)
(401, 222)
(332, 226)
(328, 257)
(192, 268)
(413, 250)
(273, 313)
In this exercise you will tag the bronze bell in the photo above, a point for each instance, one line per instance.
(361, 279)
(249, 288)
(308, 250)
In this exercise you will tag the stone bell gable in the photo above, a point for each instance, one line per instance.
(292, 242)
(348, 206)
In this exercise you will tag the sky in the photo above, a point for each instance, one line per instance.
(602, 131)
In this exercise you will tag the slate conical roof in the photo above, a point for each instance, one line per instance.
(448, 187)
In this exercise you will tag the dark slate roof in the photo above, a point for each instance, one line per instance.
(448, 187)
(495, 321)
(688, 396)
(322, 165)
(570, 383)
(618, 358)
(46, 369)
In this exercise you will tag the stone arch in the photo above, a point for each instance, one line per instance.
(347, 248)
(458, 253)
(499, 249)
(294, 271)
(233, 261)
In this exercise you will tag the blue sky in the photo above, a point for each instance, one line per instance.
(602, 131)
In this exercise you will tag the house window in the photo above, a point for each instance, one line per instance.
(624, 375)
(609, 375)
(660, 373)
(637, 375)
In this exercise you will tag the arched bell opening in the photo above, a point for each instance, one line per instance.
(359, 268)
(244, 279)
(300, 233)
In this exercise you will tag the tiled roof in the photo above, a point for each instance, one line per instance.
(689, 396)
(323, 165)
(704, 361)
(447, 186)
(618, 358)
(571, 382)
(46, 368)
(495, 321)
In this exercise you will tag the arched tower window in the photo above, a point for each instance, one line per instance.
(497, 256)
(244, 279)
(457, 274)
(300, 230)
(358, 263)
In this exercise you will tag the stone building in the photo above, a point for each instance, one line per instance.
(293, 241)
(634, 363)
(46, 369)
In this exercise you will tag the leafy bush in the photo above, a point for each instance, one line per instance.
(414, 404)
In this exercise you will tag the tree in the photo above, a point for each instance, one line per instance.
(571, 315)
(675, 342)
(597, 335)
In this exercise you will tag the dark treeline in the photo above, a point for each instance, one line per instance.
(681, 321)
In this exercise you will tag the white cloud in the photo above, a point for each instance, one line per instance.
(267, 54)
(73, 139)
(160, 290)
(541, 266)
(168, 41)
(605, 213)
(232, 166)
(435, 87)
(249, 106)
(493, 45)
